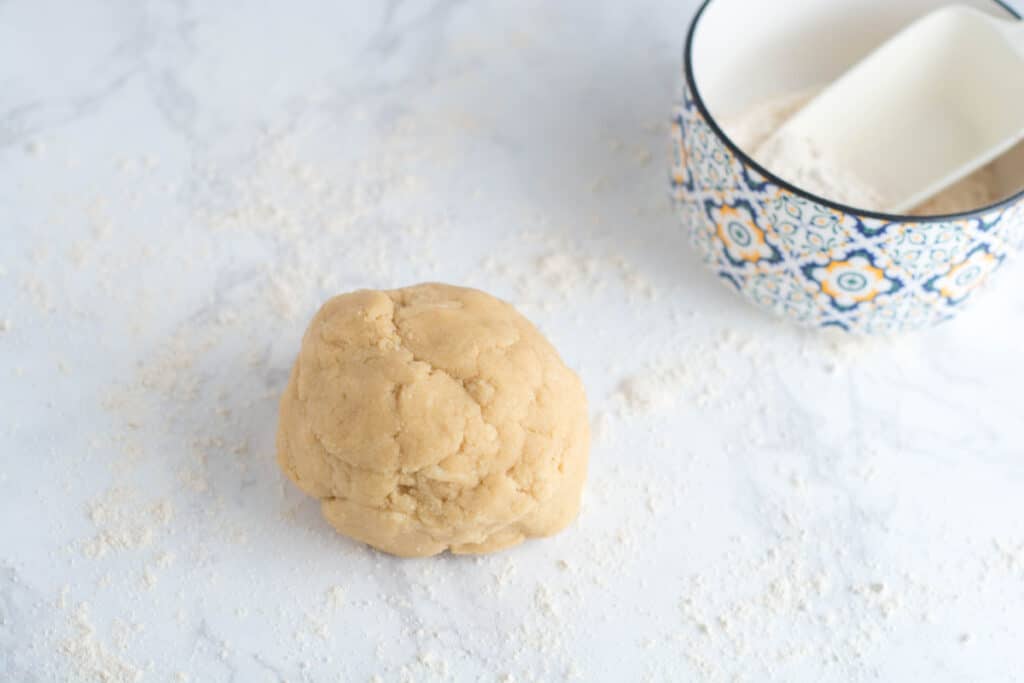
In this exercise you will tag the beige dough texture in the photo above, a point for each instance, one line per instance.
(434, 418)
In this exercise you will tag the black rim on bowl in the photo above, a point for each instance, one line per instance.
(845, 208)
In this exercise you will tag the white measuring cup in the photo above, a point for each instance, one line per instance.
(933, 104)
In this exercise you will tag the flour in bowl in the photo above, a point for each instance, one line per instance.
(802, 162)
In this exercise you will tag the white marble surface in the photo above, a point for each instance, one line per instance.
(184, 182)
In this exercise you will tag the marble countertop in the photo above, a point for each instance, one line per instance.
(184, 183)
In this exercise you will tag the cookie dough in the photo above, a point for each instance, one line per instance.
(434, 418)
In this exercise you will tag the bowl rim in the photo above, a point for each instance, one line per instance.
(845, 208)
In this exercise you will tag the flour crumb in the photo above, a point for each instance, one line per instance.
(123, 524)
(651, 390)
(335, 597)
(62, 597)
(90, 659)
(544, 601)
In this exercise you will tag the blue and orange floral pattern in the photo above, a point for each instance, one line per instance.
(966, 276)
(852, 281)
(816, 264)
(737, 228)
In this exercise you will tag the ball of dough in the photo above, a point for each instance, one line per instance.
(434, 418)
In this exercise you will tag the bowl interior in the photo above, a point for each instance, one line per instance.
(745, 52)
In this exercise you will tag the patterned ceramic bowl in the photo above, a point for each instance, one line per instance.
(810, 259)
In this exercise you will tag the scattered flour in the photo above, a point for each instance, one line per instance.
(565, 270)
(652, 390)
(335, 597)
(123, 523)
(90, 659)
(698, 373)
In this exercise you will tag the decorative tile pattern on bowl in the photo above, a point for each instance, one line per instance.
(820, 266)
